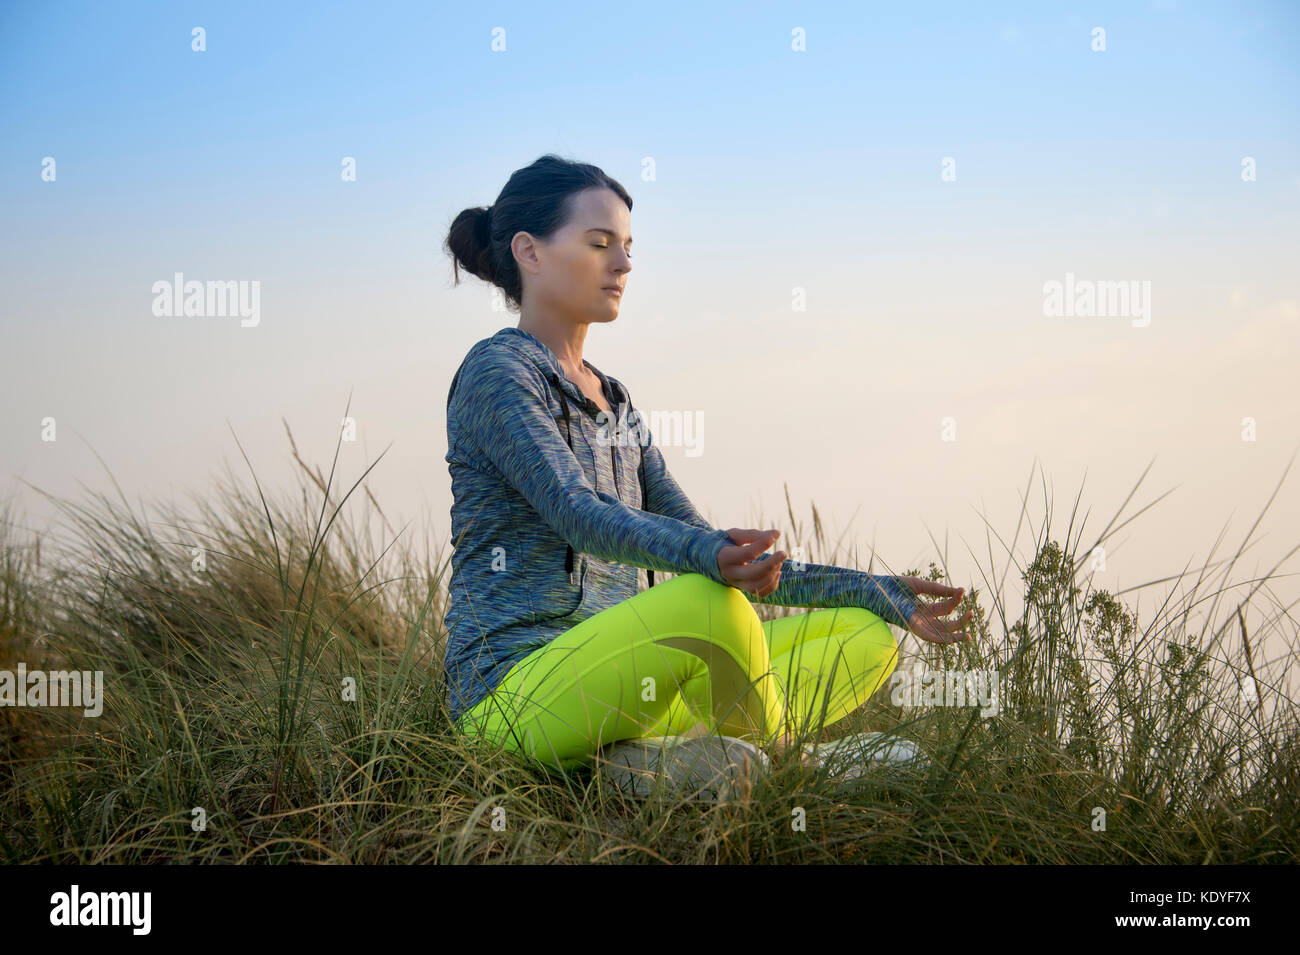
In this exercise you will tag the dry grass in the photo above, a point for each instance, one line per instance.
(225, 686)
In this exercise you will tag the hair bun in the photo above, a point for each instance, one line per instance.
(484, 225)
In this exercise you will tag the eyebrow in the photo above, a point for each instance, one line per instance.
(611, 233)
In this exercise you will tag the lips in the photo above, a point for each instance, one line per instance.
(613, 288)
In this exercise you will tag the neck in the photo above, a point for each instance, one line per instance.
(563, 337)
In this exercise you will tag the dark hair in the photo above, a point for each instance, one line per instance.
(536, 200)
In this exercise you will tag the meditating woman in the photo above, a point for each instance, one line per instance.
(560, 495)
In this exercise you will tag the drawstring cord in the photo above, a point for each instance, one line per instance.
(568, 437)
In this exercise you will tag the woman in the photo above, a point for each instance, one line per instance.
(560, 495)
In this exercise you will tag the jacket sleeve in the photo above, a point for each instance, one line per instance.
(500, 403)
(822, 585)
(816, 585)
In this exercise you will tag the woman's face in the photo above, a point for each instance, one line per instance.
(570, 272)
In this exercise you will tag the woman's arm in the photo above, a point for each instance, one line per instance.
(823, 585)
(501, 405)
(814, 585)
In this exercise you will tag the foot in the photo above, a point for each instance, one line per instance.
(707, 769)
(784, 749)
(852, 756)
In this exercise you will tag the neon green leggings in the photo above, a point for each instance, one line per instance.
(686, 653)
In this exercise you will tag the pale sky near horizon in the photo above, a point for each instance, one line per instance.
(920, 386)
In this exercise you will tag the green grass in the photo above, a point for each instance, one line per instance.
(225, 690)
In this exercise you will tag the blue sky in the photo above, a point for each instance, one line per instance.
(774, 169)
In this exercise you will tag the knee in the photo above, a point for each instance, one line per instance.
(692, 583)
(722, 617)
(858, 622)
(728, 606)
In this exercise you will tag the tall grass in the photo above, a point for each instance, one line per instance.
(274, 694)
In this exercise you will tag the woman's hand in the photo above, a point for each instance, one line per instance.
(736, 562)
(926, 623)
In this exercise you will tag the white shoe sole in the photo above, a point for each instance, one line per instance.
(709, 769)
(851, 756)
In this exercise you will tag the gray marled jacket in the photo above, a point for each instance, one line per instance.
(554, 509)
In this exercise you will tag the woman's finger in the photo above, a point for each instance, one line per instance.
(955, 633)
(758, 569)
(936, 637)
(743, 536)
(773, 576)
(942, 607)
(753, 574)
(746, 554)
(942, 631)
(932, 588)
(756, 549)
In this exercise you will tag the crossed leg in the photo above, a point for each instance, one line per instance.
(687, 656)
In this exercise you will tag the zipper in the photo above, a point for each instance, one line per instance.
(613, 437)
(645, 504)
(613, 463)
(587, 405)
(592, 408)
